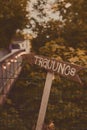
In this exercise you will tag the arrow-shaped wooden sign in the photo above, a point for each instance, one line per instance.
(64, 69)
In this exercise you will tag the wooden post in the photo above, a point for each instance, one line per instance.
(44, 101)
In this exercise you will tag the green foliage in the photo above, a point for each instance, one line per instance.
(46, 33)
(72, 28)
(67, 101)
(67, 105)
(22, 104)
(58, 50)
(12, 17)
(75, 29)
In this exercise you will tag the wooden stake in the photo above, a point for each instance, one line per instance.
(44, 101)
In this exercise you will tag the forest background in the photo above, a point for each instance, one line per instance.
(61, 34)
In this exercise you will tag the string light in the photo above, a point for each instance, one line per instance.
(16, 56)
(4, 67)
(19, 55)
(8, 63)
(12, 60)
(15, 61)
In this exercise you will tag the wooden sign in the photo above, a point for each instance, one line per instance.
(64, 69)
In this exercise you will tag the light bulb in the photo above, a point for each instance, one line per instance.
(8, 63)
(16, 57)
(12, 60)
(15, 61)
(4, 67)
